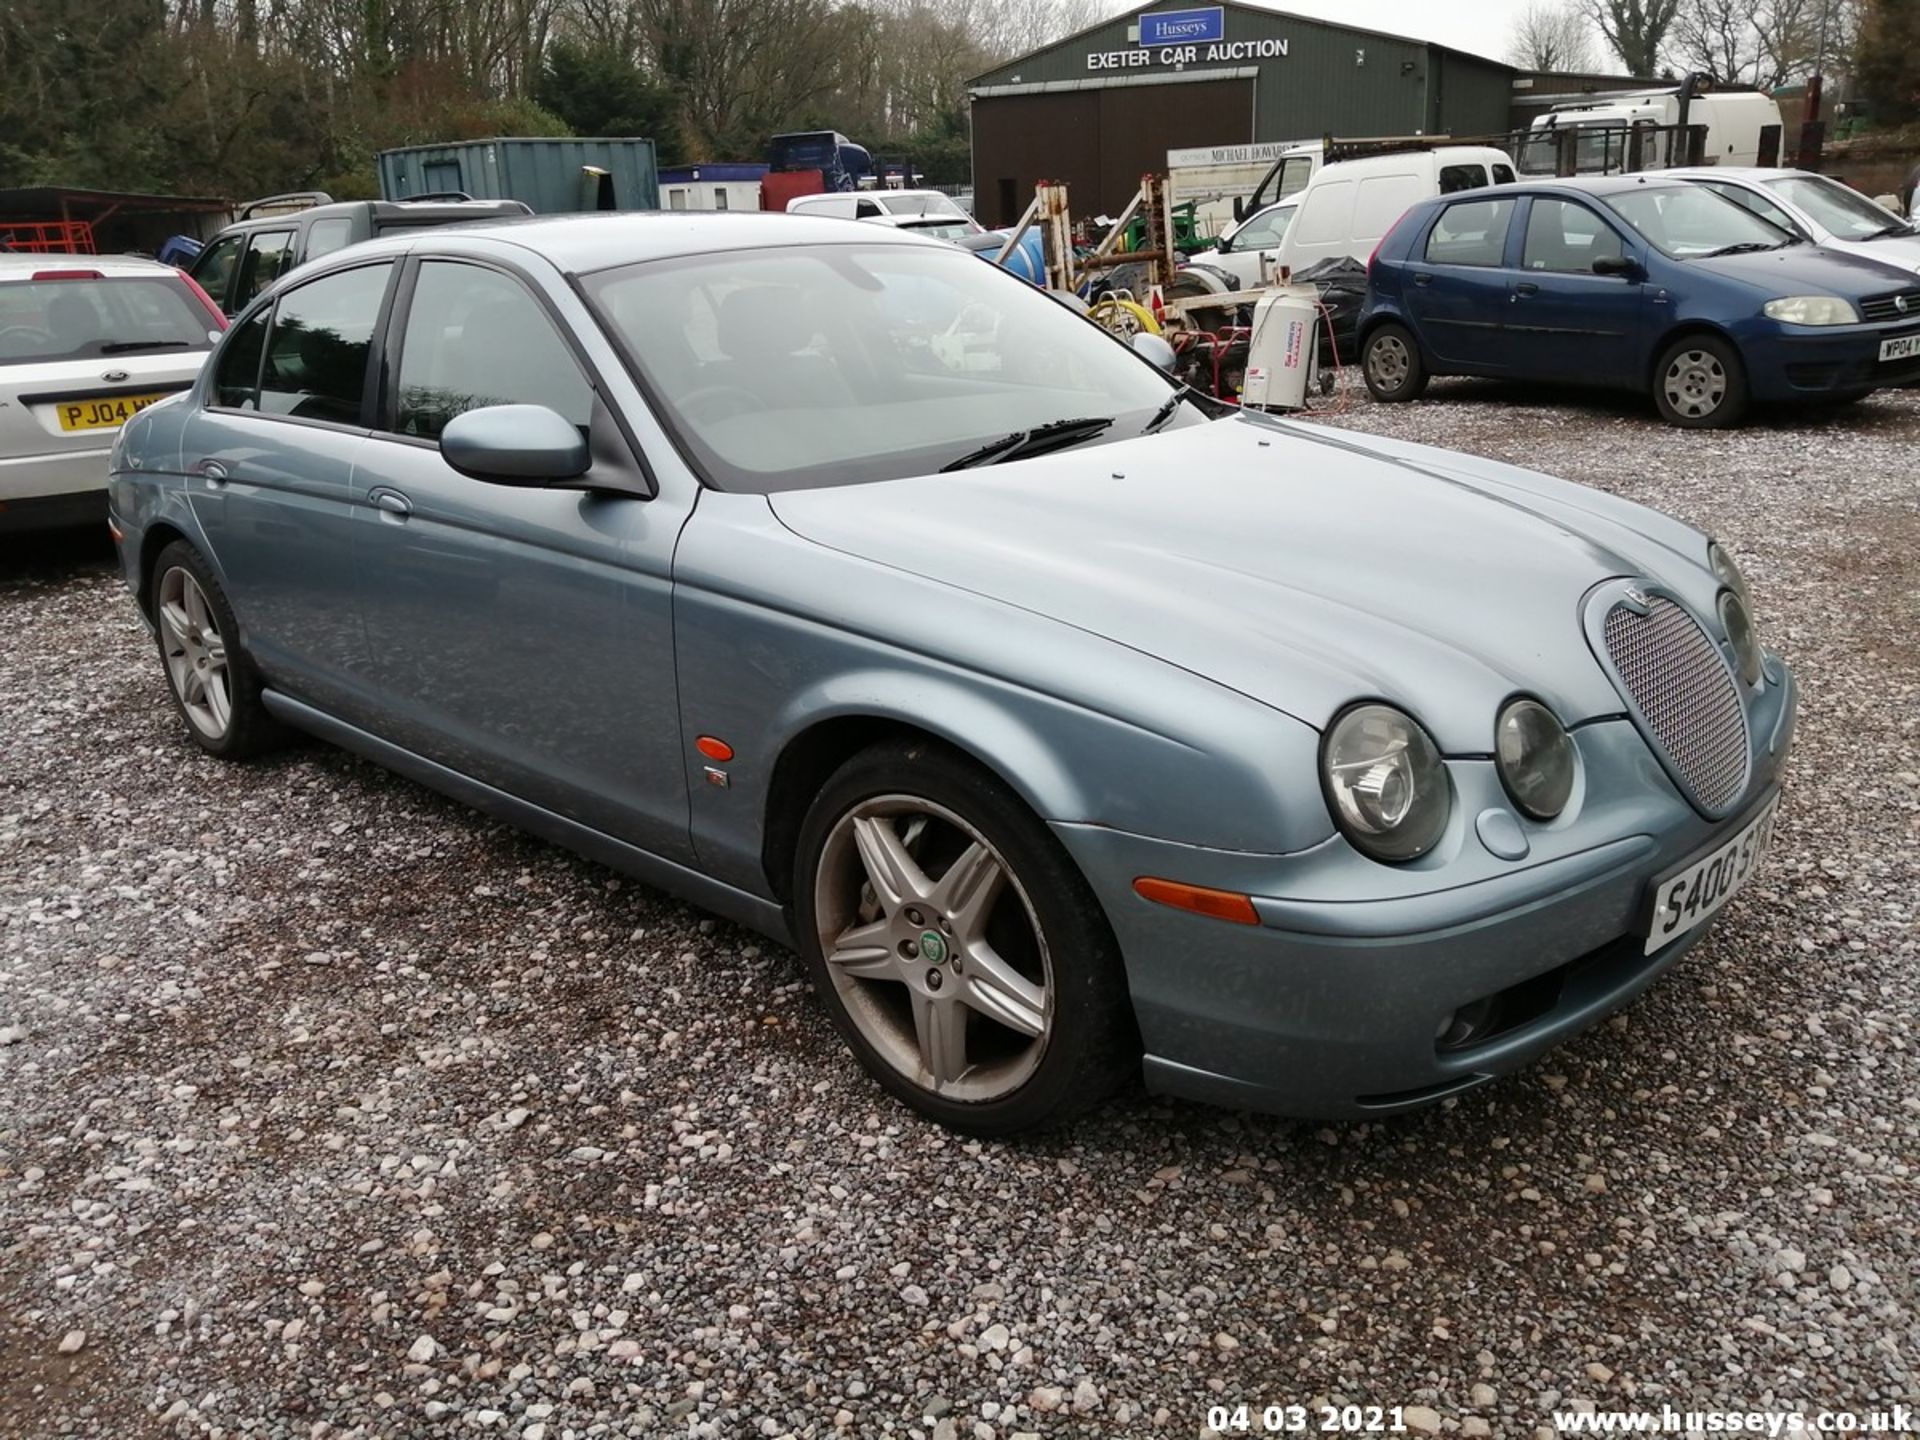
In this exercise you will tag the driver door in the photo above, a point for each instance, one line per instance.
(1252, 253)
(520, 636)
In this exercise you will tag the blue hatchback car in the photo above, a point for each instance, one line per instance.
(1634, 281)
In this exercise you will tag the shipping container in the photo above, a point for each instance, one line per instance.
(551, 175)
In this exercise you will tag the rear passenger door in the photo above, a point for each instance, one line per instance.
(271, 456)
(521, 636)
(1564, 321)
(1456, 285)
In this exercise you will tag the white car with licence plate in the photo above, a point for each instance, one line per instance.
(85, 342)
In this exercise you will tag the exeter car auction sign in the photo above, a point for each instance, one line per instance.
(1184, 37)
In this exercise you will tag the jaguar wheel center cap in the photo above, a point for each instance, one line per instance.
(933, 947)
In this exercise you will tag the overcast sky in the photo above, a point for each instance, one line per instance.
(1482, 26)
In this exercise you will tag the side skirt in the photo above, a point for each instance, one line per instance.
(755, 913)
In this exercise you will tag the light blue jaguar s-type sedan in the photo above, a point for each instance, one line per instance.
(858, 591)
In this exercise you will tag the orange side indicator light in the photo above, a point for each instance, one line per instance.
(713, 747)
(1219, 904)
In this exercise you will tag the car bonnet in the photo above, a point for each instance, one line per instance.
(1298, 566)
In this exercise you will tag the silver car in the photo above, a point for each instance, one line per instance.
(1069, 724)
(1817, 208)
(85, 342)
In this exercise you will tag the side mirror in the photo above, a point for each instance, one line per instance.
(1155, 350)
(515, 445)
(1625, 266)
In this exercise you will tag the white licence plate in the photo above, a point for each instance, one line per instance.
(1690, 896)
(1901, 347)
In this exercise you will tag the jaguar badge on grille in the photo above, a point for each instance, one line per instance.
(1637, 600)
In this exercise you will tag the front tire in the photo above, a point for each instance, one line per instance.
(214, 686)
(961, 955)
(1700, 384)
(1390, 361)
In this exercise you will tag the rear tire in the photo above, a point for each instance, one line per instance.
(1700, 384)
(973, 972)
(1390, 361)
(215, 688)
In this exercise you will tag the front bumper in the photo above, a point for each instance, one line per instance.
(1332, 1005)
(1802, 363)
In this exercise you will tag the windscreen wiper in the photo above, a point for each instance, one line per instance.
(1023, 443)
(120, 347)
(1898, 227)
(1742, 247)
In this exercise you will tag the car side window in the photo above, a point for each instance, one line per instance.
(1264, 231)
(213, 271)
(236, 383)
(475, 337)
(326, 236)
(1759, 205)
(1473, 232)
(316, 366)
(866, 210)
(1565, 236)
(269, 256)
(1455, 178)
(1502, 174)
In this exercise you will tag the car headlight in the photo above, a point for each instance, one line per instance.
(1535, 758)
(1812, 310)
(1736, 613)
(1385, 784)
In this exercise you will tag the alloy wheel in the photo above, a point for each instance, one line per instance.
(934, 948)
(1695, 384)
(196, 653)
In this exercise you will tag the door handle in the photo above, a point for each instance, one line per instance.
(392, 502)
(1526, 287)
(214, 471)
(1421, 279)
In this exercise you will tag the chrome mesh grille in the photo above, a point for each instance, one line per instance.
(1888, 306)
(1676, 679)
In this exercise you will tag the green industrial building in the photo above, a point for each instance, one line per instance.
(1099, 109)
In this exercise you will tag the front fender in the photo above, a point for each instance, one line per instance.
(775, 636)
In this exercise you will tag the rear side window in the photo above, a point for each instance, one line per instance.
(326, 236)
(316, 366)
(1502, 174)
(1472, 232)
(236, 383)
(1565, 236)
(1455, 178)
(475, 338)
(84, 319)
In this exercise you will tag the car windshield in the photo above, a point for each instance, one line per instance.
(834, 364)
(1847, 213)
(941, 228)
(1690, 222)
(919, 205)
(85, 319)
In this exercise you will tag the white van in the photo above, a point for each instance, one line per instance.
(1734, 121)
(1348, 206)
(874, 204)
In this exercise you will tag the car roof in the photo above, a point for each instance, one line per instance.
(580, 244)
(24, 266)
(1754, 174)
(1582, 185)
(381, 209)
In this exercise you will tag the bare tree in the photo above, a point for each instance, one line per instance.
(1747, 42)
(1552, 35)
(1635, 30)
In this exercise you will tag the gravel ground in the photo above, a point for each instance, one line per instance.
(328, 1107)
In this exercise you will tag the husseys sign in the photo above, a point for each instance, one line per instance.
(1184, 37)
